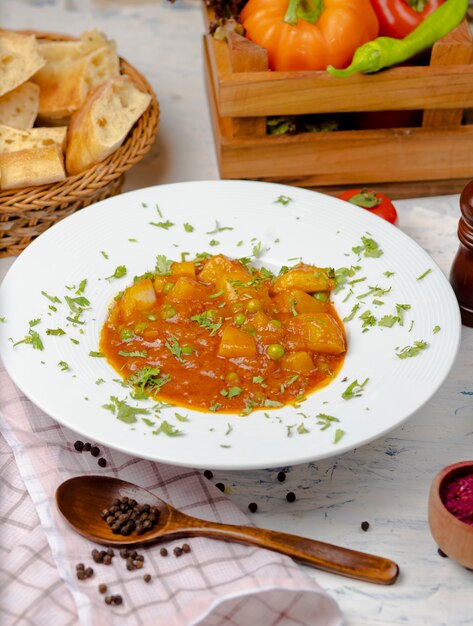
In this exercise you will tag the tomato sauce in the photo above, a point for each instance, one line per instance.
(219, 335)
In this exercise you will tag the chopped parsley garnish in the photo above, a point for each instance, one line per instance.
(134, 353)
(165, 225)
(258, 380)
(272, 403)
(167, 429)
(53, 299)
(99, 381)
(3, 320)
(368, 319)
(55, 331)
(188, 228)
(99, 355)
(232, 392)
(389, 274)
(214, 242)
(369, 248)
(148, 379)
(63, 366)
(119, 272)
(354, 390)
(388, 321)
(74, 340)
(400, 308)
(206, 320)
(174, 347)
(284, 200)
(81, 287)
(123, 411)
(104, 254)
(77, 305)
(325, 421)
(411, 351)
(229, 429)
(302, 430)
(426, 273)
(132, 240)
(355, 308)
(374, 291)
(338, 435)
(219, 229)
(215, 407)
(32, 338)
(436, 329)
(163, 265)
(181, 418)
(217, 294)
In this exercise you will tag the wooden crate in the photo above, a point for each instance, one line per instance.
(431, 159)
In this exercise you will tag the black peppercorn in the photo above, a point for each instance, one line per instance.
(365, 526)
(220, 486)
(186, 547)
(177, 551)
(108, 600)
(102, 588)
(147, 578)
(87, 446)
(291, 496)
(94, 451)
(281, 476)
(208, 474)
(253, 507)
(102, 462)
(79, 445)
(117, 599)
(163, 552)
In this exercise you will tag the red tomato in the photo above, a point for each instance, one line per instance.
(397, 18)
(372, 201)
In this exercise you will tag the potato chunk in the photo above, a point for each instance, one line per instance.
(138, 297)
(235, 343)
(218, 266)
(298, 301)
(307, 278)
(186, 268)
(318, 332)
(186, 288)
(299, 362)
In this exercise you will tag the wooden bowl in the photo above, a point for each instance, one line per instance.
(453, 537)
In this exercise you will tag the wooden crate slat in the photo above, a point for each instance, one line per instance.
(353, 156)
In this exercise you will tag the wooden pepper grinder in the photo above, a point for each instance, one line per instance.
(461, 273)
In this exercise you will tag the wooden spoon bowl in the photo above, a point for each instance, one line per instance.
(81, 501)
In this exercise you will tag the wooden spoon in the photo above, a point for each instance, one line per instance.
(82, 499)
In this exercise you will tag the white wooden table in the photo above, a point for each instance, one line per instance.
(385, 483)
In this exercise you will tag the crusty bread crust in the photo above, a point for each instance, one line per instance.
(36, 166)
(103, 123)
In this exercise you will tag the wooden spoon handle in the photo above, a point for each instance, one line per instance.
(324, 556)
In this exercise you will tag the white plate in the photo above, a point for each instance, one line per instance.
(318, 228)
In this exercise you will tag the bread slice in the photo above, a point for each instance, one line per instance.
(36, 166)
(19, 59)
(65, 83)
(13, 139)
(54, 51)
(103, 123)
(19, 107)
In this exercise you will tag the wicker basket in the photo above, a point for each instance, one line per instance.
(28, 212)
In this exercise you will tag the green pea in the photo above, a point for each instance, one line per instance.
(275, 351)
(276, 323)
(253, 305)
(186, 349)
(168, 287)
(239, 319)
(232, 378)
(250, 329)
(168, 313)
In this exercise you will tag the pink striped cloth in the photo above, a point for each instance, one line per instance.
(216, 584)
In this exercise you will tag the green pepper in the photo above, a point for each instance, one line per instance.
(386, 51)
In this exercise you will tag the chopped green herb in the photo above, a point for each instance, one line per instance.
(73, 340)
(134, 353)
(389, 274)
(147, 421)
(258, 380)
(206, 320)
(388, 320)
(325, 421)
(181, 418)
(411, 351)
(426, 273)
(132, 240)
(99, 381)
(400, 308)
(99, 355)
(219, 229)
(354, 390)
(217, 294)
(32, 338)
(355, 308)
(165, 225)
(215, 407)
(411, 326)
(174, 347)
(289, 429)
(148, 379)
(257, 250)
(302, 430)
(3, 320)
(53, 299)
(214, 242)
(124, 411)
(338, 435)
(55, 331)
(104, 254)
(81, 287)
(369, 248)
(229, 428)
(63, 365)
(272, 403)
(188, 228)
(119, 272)
(436, 330)
(284, 200)
(163, 265)
(167, 429)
